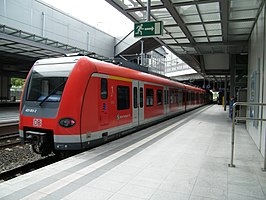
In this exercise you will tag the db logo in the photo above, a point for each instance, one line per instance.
(37, 122)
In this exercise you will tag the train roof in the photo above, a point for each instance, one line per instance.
(115, 70)
(110, 68)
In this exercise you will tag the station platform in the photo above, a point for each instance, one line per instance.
(9, 114)
(184, 158)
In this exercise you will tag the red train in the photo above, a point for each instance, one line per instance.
(74, 103)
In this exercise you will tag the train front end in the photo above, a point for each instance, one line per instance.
(49, 111)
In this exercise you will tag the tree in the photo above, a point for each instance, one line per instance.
(17, 82)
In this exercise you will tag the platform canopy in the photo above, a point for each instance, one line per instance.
(209, 35)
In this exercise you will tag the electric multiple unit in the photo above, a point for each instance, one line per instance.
(74, 103)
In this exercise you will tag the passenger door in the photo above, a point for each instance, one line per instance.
(137, 103)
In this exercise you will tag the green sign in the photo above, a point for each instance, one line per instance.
(148, 29)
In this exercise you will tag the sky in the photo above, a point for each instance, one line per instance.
(100, 14)
(97, 13)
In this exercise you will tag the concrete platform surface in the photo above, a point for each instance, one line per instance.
(9, 114)
(184, 158)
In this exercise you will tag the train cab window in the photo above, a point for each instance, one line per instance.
(135, 94)
(104, 88)
(159, 97)
(47, 82)
(149, 97)
(123, 98)
(141, 97)
(52, 87)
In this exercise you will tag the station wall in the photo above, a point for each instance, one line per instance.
(257, 82)
(36, 17)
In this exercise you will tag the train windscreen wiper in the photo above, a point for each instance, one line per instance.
(51, 93)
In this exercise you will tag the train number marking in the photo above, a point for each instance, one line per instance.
(37, 122)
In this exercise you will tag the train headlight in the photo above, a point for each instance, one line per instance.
(67, 122)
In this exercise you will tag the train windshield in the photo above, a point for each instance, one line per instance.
(47, 82)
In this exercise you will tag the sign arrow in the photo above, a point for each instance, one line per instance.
(149, 29)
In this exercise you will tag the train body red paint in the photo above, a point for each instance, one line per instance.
(74, 103)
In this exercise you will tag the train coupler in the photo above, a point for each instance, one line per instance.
(39, 142)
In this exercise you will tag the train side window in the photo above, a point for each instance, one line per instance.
(141, 97)
(104, 88)
(149, 97)
(171, 96)
(159, 97)
(167, 96)
(176, 96)
(123, 98)
(164, 96)
(135, 97)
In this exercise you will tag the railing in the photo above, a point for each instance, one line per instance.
(234, 118)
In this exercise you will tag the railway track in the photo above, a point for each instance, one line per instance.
(9, 134)
(4, 176)
(8, 128)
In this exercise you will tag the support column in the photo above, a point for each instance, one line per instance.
(232, 77)
(5, 88)
(225, 92)
(148, 10)
(142, 52)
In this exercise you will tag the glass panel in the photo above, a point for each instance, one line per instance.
(171, 41)
(243, 14)
(159, 97)
(240, 31)
(244, 4)
(48, 79)
(135, 97)
(128, 3)
(215, 26)
(178, 35)
(198, 33)
(189, 49)
(123, 100)
(165, 36)
(160, 13)
(211, 17)
(195, 27)
(214, 32)
(156, 2)
(178, 48)
(141, 14)
(209, 8)
(187, 10)
(173, 29)
(201, 39)
(149, 97)
(183, 40)
(191, 18)
(246, 24)
(215, 39)
(141, 97)
(153, 2)
(180, 1)
(104, 88)
(169, 21)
